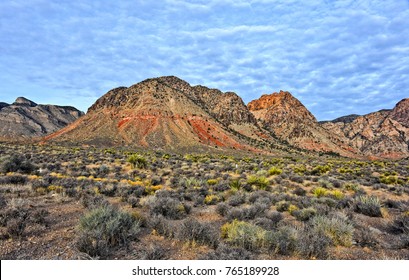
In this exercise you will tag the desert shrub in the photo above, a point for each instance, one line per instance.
(91, 201)
(336, 194)
(274, 216)
(243, 234)
(169, 207)
(299, 191)
(103, 229)
(162, 226)
(154, 252)
(336, 183)
(137, 161)
(368, 205)
(201, 233)
(364, 237)
(17, 163)
(265, 223)
(305, 214)
(236, 214)
(325, 184)
(110, 190)
(255, 210)
(400, 225)
(389, 180)
(299, 169)
(260, 194)
(41, 183)
(211, 199)
(338, 229)
(260, 182)
(133, 201)
(13, 179)
(312, 244)
(297, 179)
(15, 227)
(17, 215)
(39, 216)
(275, 171)
(224, 252)
(345, 202)
(320, 169)
(292, 208)
(222, 209)
(237, 199)
(235, 185)
(155, 180)
(282, 206)
(212, 182)
(282, 241)
(352, 187)
(319, 192)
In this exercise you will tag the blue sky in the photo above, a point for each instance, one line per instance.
(337, 57)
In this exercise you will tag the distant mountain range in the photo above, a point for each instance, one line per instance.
(169, 114)
(24, 119)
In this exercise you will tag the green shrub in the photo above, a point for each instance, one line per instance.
(105, 228)
(299, 169)
(351, 187)
(137, 161)
(282, 206)
(389, 180)
(211, 199)
(212, 182)
(304, 214)
(336, 194)
(319, 192)
(368, 205)
(336, 228)
(274, 171)
(260, 182)
(235, 185)
(243, 234)
(320, 169)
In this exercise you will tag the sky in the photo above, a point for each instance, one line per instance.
(336, 57)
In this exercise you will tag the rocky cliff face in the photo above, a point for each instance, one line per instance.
(288, 118)
(383, 134)
(167, 112)
(25, 119)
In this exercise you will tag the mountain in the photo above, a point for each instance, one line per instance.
(168, 113)
(286, 117)
(24, 119)
(344, 119)
(383, 134)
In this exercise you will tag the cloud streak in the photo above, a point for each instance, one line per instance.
(337, 57)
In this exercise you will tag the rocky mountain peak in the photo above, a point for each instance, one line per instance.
(3, 104)
(279, 105)
(401, 112)
(25, 119)
(25, 102)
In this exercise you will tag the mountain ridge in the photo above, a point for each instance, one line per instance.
(167, 112)
(25, 119)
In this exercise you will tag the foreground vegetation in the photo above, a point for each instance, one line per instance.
(76, 203)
